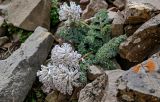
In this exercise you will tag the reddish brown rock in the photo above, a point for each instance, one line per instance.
(142, 42)
(139, 11)
(117, 25)
(93, 7)
(120, 4)
(130, 29)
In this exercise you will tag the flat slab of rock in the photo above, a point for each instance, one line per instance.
(29, 14)
(142, 42)
(142, 82)
(94, 92)
(18, 72)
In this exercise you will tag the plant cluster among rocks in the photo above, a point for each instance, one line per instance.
(79, 51)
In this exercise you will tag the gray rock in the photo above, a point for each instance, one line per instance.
(3, 40)
(111, 15)
(28, 14)
(141, 44)
(18, 72)
(141, 83)
(94, 92)
(94, 72)
(112, 91)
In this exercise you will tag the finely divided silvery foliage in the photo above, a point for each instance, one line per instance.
(69, 12)
(62, 72)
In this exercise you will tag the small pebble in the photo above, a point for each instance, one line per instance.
(152, 90)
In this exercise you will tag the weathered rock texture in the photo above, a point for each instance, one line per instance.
(94, 72)
(141, 43)
(56, 97)
(113, 75)
(120, 4)
(139, 12)
(94, 92)
(141, 83)
(3, 40)
(130, 29)
(28, 14)
(18, 72)
(118, 25)
(93, 7)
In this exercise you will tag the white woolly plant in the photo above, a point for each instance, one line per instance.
(63, 72)
(70, 13)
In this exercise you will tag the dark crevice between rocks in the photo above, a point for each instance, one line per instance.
(125, 64)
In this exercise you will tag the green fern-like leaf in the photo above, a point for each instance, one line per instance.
(109, 51)
(54, 13)
(98, 34)
(75, 33)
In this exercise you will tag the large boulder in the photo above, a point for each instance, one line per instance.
(28, 14)
(94, 92)
(142, 42)
(93, 7)
(139, 11)
(141, 83)
(18, 72)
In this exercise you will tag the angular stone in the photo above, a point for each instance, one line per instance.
(28, 14)
(18, 71)
(112, 91)
(139, 12)
(3, 40)
(111, 15)
(94, 92)
(142, 42)
(93, 7)
(117, 25)
(94, 72)
(120, 4)
(141, 83)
